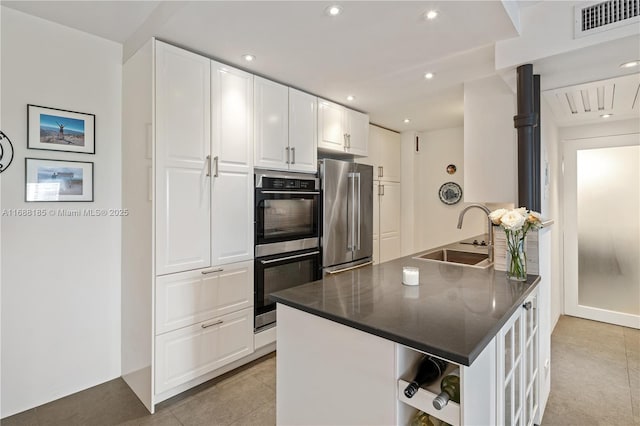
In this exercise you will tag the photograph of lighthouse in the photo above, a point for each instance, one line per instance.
(60, 130)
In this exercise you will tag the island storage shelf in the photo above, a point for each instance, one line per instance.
(408, 360)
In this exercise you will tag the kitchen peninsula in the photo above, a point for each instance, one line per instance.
(347, 345)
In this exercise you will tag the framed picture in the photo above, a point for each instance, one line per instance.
(56, 180)
(60, 130)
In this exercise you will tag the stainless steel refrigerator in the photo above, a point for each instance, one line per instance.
(347, 214)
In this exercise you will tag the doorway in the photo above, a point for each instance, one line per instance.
(602, 229)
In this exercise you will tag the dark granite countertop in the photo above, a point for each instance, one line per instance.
(454, 312)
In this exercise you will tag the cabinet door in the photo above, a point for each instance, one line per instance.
(389, 221)
(190, 297)
(358, 133)
(531, 370)
(388, 145)
(510, 358)
(374, 151)
(232, 169)
(303, 131)
(271, 112)
(331, 126)
(190, 352)
(182, 123)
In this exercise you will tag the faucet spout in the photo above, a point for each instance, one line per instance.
(490, 224)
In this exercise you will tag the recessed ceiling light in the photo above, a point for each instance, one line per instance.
(248, 57)
(606, 115)
(333, 10)
(406, 120)
(429, 75)
(630, 64)
(432, 14)
(350, 98)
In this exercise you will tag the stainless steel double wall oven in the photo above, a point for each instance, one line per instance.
(287, 237)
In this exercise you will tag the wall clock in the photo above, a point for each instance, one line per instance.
(450, 193)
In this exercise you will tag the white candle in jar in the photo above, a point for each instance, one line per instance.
(410, 275)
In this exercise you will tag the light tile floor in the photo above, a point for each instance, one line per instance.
(595, 381)
(244, 397)
(595, 374)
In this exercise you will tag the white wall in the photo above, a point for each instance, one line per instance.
(490, 148)
(551, 178)
(407, 196)
(436, 222)
(60, 275)
(0, 226)
(604, 128)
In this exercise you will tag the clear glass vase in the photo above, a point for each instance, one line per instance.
(516, 256)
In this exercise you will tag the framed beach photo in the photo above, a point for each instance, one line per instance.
(56, 180)
(55, 129)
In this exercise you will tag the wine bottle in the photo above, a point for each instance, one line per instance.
(450, 386)
(420, 419)
(428, 372)
(424, 419)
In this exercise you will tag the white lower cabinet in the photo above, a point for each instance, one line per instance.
(190, 352)
(386, 221)
(190, 297)
(502, 385)
(518, 367)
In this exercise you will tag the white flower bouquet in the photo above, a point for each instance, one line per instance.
(516, 223)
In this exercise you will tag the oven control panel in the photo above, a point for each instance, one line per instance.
(290, 184)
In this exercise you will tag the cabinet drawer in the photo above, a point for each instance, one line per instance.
(190, 352)
(188, 298)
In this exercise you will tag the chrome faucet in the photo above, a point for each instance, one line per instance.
(487, 211)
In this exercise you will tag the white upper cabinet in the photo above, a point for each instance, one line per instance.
(384, 154)
(331, 126)
(357, 132)
(285, 127)
(341, 129)
(303, 133)
(271, 124)
(183, 152)
(232, 164)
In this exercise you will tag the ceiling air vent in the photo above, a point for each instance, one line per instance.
(605, 16)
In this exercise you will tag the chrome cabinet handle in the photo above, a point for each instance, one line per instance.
(212, 324)
(208, 165)
(286, 148)
(527, 306)
(293, 155)
(346, 143)
(380, 171)
(349, 139)
(215, 160)
(381, 190)
(211, 271)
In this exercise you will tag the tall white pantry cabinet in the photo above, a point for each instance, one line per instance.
(187, 263)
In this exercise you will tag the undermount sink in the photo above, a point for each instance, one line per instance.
(460, 257)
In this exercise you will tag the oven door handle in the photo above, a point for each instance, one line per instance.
(291, 192)
(297, 256)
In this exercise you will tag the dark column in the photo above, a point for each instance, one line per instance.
(525, 123)
(537, 204)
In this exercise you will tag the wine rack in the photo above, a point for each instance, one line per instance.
(408, 360)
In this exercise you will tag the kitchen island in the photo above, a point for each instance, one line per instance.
(347, 345)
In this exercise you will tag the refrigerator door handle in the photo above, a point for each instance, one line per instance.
(352, 221)
(359, 212)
